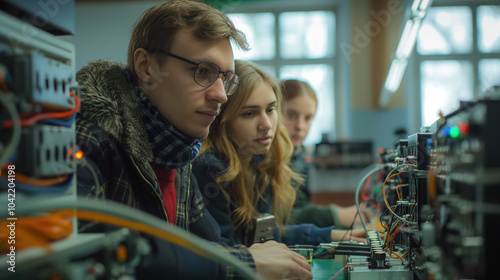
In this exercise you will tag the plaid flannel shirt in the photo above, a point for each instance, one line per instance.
(122, 177)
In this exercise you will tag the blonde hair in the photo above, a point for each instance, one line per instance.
(156, 28)
(295, 88)
(273, 170)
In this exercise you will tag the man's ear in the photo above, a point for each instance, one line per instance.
(142, 63)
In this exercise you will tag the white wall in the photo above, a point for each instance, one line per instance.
(102, 30)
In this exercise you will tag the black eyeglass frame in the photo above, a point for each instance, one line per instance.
(224, 74)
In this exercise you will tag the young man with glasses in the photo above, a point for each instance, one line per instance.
(140, 126)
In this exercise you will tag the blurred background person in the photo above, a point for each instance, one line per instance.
(243, 169)
(299, 111)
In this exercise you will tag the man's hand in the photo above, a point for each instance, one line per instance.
(276, 261)
(344, 235)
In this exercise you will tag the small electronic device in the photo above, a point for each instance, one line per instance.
(262, 230)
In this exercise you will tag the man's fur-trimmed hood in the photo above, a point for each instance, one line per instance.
(108, 101)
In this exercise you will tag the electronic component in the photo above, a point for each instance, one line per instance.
(86, 256)
(440, 200)
(37, 81)
(262, 230)
(417, 149)
(378, 265)
(359, 270)
(47, 151)
(40, 80)
(464, 189)
(305, 252)
(346, 154)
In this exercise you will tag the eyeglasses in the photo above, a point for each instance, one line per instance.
(206, 73)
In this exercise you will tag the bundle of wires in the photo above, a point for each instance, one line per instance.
(392, 230)
(34, 231)
(54, 117)
(372, 169)
(58, 184)
(52, 185)
(113, 213)
(396, 222)
(389, 207)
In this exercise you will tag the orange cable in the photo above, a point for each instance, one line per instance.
(37, 117)
(46, 182)
(383, 186)
(34, 231)
(112, 220)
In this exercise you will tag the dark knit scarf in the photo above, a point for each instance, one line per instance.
(171, 148)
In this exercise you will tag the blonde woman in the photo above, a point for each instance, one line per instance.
(299, 111)
(243, 169)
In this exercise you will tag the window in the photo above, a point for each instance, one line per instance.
(295, 44)
(458, 55)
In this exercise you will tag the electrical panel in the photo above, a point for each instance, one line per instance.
(344, 154)
(437, 199)
(38, 106)
(464, 191)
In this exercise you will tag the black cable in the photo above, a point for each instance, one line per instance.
(349, 229)
(380, 218)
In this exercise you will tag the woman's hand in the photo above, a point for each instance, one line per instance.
(347, 214)
(344, 235)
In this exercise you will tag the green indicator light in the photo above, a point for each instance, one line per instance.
(454, 132)
(377, 189)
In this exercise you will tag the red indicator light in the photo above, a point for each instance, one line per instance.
(463, 128)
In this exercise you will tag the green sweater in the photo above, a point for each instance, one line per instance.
(303, 210)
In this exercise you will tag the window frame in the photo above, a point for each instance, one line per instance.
(340, 81)
(414, 90)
